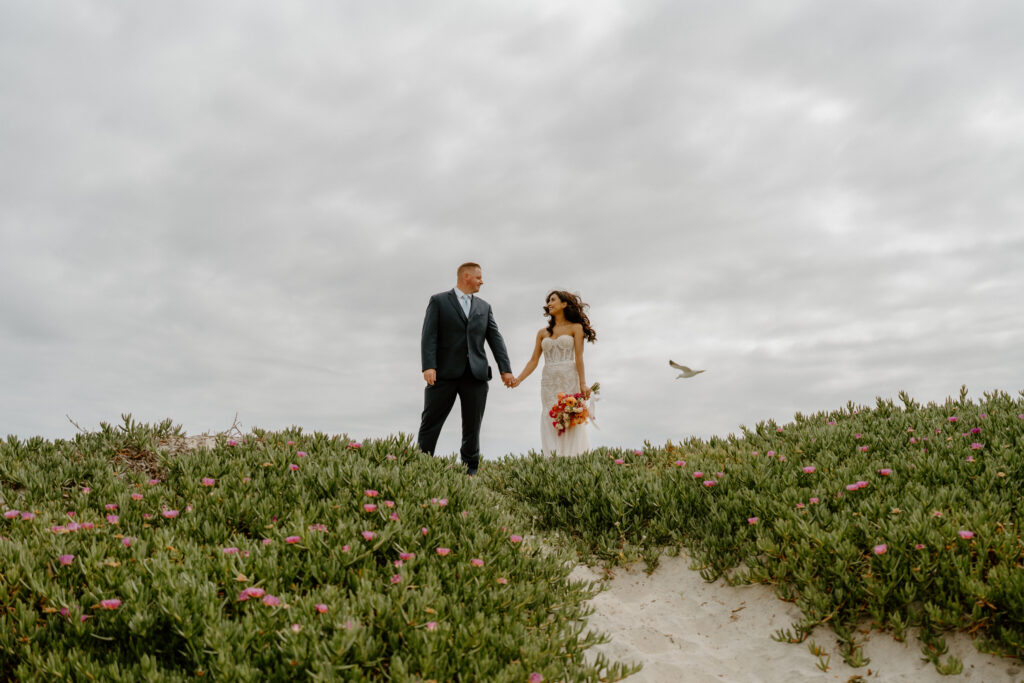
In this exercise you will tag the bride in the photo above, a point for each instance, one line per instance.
(561, 343)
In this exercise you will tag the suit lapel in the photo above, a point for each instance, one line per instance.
(454, 301)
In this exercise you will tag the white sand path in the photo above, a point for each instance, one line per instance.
(684, 629)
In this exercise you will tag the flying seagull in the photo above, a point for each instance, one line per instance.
(686, 372)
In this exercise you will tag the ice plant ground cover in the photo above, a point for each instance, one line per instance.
(886, 517)
(372, 561)
(232, 565)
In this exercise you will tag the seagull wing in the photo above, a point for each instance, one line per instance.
(677, 366)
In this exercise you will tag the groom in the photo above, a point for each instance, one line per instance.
(454, 364)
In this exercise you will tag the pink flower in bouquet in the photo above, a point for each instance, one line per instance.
(965, 534)
(66, 559)
(880, 549)
(110, 603)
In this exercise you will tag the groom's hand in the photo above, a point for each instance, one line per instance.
(509, 379)
(430, 376)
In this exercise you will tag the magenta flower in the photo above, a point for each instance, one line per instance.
(296, 628)
(291, 443)
(112, 519)
(880, 549)
(919, 546)
(271, 600)
(390, 457)
(11, 514)
(88, 525)
(301, 454)
(476, 562)
(852, 487)
(267, 541)
(965, 534)
(389, 503)
(515, 538)
(396, 578)
(885, 471)
(28, 515)
(619, 461)
(127, 541)
(975, 446)
(110, 506)
(800, 506)
(153, 482)
(443, 502)
(59, 529)
(970, 458)
(74, 526)
(292, 539)
(86, 489)
(709, 483)
(293, 467)
(953, 419)
(976, 430)
(394, 516)
(812, 501)
(170, 514)
(503, 580)
(431, 625)
(424, 530)
(858, 435)
(698, 475)
(355, 444)
(443, 551)
(370, 507)
(638, 452)
(188, 508)
(254, 592)
(771, 454)
(208, 481)
(536, 677)
(371, 493)
(110, 603)
(862, 449)
(136, 496)
(753, 520)
(369, 535)
(66, 559)
(230, 551)
(810, 469)
(320, 607)
(680, 463)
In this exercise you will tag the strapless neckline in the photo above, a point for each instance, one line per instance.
(554, 339)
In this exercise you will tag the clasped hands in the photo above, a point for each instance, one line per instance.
(510, 381)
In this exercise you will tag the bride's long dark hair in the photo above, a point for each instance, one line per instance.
(575, 312)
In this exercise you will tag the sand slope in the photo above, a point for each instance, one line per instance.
(684, 629)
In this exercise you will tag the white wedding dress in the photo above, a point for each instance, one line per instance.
(560, 376)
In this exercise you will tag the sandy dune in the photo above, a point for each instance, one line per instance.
(684, 629)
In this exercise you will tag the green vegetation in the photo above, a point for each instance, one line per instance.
(284, 555)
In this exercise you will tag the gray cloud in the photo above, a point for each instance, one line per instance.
(209, 210)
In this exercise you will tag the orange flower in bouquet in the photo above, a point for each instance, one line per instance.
(570, 410)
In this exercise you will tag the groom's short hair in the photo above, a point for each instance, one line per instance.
(467, 266)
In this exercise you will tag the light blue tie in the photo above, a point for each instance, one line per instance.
(465, 304)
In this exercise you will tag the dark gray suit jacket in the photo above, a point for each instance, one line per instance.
(450, 340)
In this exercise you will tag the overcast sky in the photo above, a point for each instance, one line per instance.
(243, 207)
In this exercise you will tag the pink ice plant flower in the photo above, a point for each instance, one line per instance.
(390, 457)
(976, 430)
(271, 600)
(680, 463)
(208, 481)
(753, 520)
(137, 496)
(292, 539)
(536, 677)
(443, 551)
(810, 469)
(11, 514)
(424, 530)
(112, 519)
(880, 549)
(153, 482)
(965, 534)
(975, 446)
(515, 538)
(370, 507)
(371, 493)
(230, 551)
(110, 506)
(267, 541)
(86, 489)
(66, 559)
(394, 516)
(232, 442)
(110, 603)
(919, 546)
(852, 487)
(253, 592)
(885, 471)
(127, 541)
(355, 444)
(28, 515)
(389, 503)
(346, 548)
(369, 535)
(698, 475)
(293, 467)
(709, 483)
(170, 514)
(813, 501)
(620, 461)
(396, 578)
(954, 419)
(320, 607)
(301, 454)
(407, 556)
(476, 562)
(431, 625)
(502, 580)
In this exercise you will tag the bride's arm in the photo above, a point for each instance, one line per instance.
(531, 364)
(578, 338)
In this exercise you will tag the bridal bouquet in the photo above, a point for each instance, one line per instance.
(571, 410)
